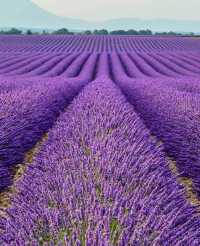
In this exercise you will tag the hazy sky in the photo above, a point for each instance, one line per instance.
(107, 9)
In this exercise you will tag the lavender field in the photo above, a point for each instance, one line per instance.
(99, 140)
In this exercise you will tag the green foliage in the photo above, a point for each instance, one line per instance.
(12, 31)
(115, 231)
(101, 32)
(118, 32)
(170, 33)
(87, 32)
(83, 231)
(29, 32)
(64, 233)
(145, 32)
(131, 32)
(63, 31)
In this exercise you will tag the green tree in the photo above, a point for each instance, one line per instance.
(132, 32)
(29, 32)
(13, 31)
(63, 31)
(87, 32)
(145, 32)
(101, 32)
(118, 32)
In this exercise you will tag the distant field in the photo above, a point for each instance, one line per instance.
(99, 140)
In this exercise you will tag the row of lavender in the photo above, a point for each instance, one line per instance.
(171, 110)
(131, 65)
(28, 108)
(100, 179)
(78, 43)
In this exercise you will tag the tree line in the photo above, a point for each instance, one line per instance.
(65, 31)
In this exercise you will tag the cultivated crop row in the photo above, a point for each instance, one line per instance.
(127, 65)
(171, 109)
(100, 180)
(99, 141)
(26, 114)
(78, 43)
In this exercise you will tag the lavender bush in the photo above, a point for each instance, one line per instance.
(100, 180)
(22, 124)
(170, 108)
(99, 140)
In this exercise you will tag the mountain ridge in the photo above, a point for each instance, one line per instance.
(27, 14)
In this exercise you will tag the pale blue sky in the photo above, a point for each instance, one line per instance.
(107, 9)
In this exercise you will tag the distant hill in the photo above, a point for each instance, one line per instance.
(26, 14)
(155, 25)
